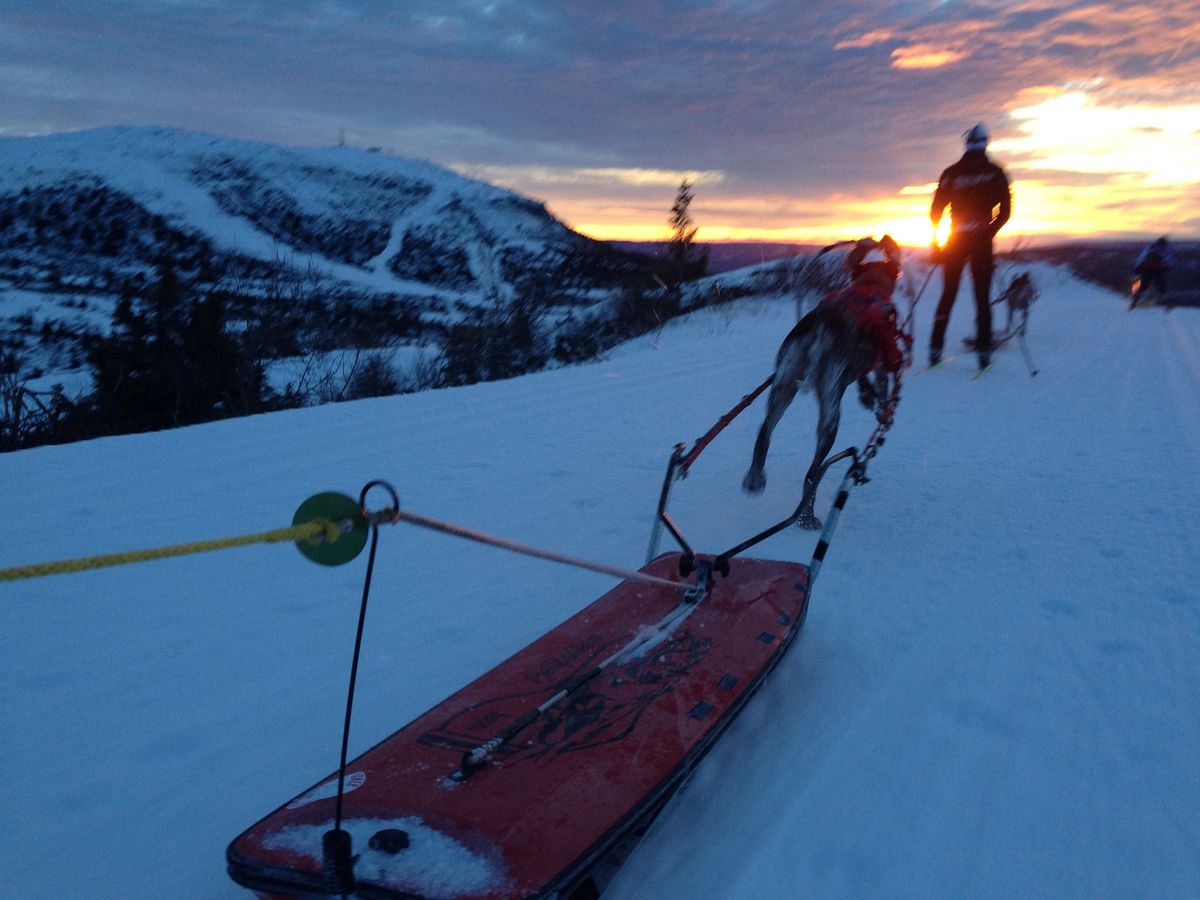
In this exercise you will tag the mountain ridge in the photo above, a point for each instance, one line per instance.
(87, 217)
(248, 197)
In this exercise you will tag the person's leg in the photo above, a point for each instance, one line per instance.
(981, 275)
(953, 258)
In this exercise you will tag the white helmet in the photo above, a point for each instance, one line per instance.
(976, 138)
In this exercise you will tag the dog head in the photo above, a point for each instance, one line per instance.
(875, 262)
(1020, 292)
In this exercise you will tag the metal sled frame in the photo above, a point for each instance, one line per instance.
(856, 474)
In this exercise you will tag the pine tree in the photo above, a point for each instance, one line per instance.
(685, 261)
(169, 361)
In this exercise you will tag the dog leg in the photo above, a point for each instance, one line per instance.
(827, 428)
(783, 391)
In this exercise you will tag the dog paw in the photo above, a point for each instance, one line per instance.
(808, 521)
(754, 482)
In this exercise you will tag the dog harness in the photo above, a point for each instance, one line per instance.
(871, 307)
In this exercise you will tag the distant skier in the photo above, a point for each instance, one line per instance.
(977, 192)
(1151, 269)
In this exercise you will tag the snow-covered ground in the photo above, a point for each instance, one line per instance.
(997, 692)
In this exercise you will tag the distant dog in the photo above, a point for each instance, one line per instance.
(1017, 298)
(835, 345)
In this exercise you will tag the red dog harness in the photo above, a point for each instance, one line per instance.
(871, 306)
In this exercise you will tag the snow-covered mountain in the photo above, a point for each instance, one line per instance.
(84, 216)
(994, 695)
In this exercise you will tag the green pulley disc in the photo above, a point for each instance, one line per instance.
(337, 508)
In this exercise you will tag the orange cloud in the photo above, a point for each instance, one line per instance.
(1143, 51)
(924, 56)
(870, 39)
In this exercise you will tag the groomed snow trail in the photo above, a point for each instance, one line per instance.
(995, 693)
(991, 697)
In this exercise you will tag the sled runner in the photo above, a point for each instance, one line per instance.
(601, 718)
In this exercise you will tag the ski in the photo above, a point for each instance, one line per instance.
(945, 360)
(997, 342)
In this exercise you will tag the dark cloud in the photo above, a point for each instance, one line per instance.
(783, 97)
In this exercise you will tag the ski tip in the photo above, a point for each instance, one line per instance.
(941, 363)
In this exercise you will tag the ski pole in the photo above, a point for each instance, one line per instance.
(912, 306)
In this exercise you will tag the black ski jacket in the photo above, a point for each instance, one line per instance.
(976, 190)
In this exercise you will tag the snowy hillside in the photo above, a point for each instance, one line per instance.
(87, 216)
(995, 694)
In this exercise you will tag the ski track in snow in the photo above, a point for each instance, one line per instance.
(995, 694)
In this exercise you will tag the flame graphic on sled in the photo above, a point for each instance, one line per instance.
(603, 711)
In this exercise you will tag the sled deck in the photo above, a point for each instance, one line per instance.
(549, 811)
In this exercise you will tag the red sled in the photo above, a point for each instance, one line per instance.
(551, 808)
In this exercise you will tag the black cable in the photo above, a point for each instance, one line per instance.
(362, 617)
(336, 844)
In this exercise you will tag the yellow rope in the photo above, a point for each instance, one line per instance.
(320, 529)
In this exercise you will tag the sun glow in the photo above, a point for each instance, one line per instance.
(910, 227)
(1083, 167)
(1072, 133)
(1078, 167)
(905, 216)
(942, 233)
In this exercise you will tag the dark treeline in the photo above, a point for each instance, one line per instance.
(182, 351)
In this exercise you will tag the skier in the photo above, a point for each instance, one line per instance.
(977, 192)
(1151, 269)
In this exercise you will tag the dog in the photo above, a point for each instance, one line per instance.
(1017, 298)
(841, 341)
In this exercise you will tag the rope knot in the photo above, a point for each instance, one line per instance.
(328, 531)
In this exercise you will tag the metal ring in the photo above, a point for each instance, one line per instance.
(362, 499)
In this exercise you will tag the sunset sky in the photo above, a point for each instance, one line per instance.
(798, 121)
